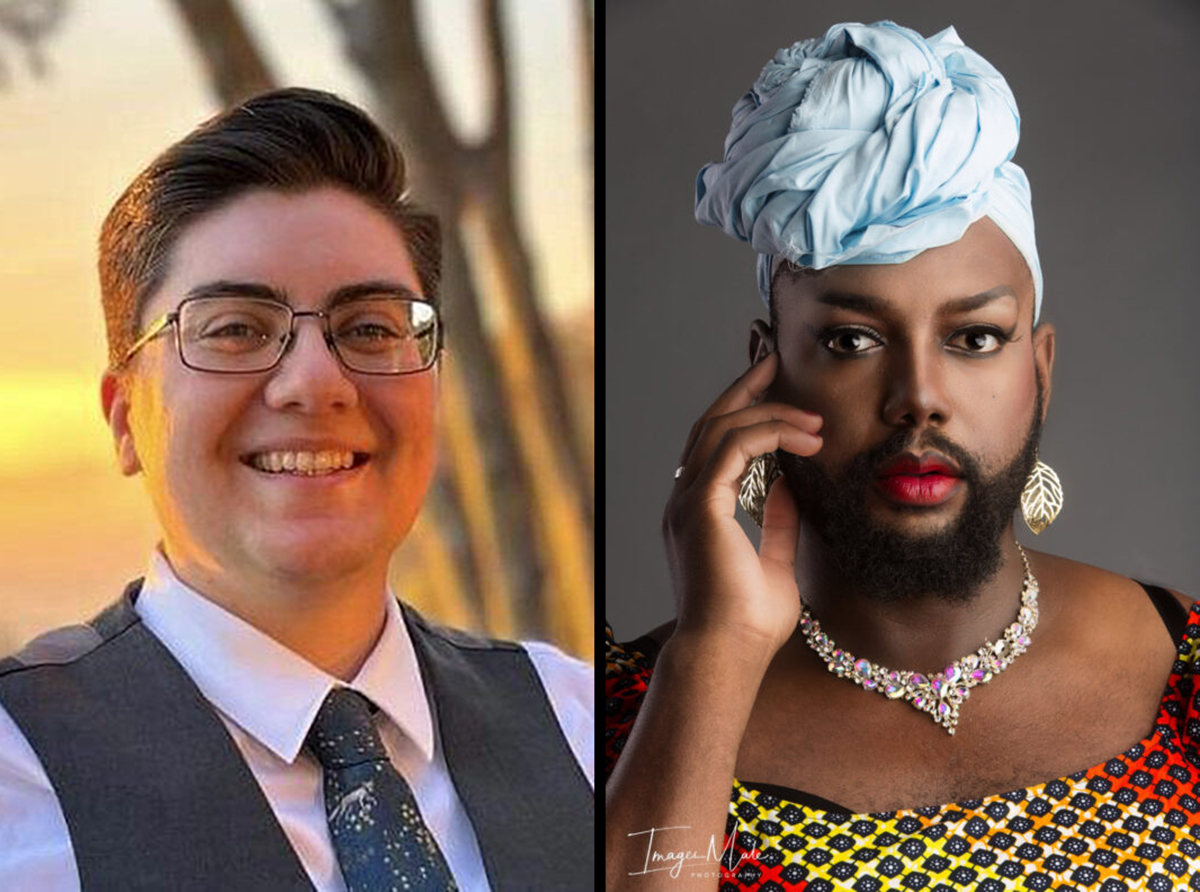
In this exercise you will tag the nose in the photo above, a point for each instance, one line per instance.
(309, 377)
(916, 387)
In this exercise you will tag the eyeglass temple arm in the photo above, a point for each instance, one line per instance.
(150, 334)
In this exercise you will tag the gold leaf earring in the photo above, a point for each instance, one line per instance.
(756, 483)
(1042, 497)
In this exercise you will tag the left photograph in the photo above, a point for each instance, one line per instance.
(297, 584)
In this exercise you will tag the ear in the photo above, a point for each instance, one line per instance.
(1043, 358)
(762, 340)
(114, 399)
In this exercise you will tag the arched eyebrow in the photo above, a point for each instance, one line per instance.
(356, 291)
(877, 306)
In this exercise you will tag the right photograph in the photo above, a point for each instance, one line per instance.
(900, 565)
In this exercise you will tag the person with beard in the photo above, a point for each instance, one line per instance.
(900, 695)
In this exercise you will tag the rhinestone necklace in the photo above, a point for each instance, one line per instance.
(940, 695)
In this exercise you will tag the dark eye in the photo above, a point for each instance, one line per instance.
(368, 331)
(979, 340)
(848, 341)
(236, 330)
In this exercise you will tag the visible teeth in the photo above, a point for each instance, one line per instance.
(309, 464)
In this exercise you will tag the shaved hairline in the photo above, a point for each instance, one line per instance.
(796, 272)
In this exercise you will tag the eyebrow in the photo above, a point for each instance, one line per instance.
(877, 306)
(356, 291)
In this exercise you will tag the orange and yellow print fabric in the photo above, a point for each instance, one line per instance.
(1130, 823)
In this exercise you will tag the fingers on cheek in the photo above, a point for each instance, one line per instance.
(801, 442)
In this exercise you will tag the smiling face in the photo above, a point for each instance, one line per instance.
(927, 376)
(214, 448)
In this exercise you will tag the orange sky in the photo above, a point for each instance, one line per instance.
(123, 83)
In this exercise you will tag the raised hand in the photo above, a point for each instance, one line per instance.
(723, 587)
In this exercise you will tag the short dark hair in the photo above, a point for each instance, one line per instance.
(289, 140)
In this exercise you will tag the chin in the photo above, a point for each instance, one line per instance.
(914, 521)
(315, 554)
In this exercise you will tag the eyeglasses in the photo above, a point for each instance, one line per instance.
(372, 335)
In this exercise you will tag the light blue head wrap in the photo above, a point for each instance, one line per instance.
(870, 145)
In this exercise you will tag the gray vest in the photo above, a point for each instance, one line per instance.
(157, 796)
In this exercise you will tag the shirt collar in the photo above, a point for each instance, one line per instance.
(270, 691)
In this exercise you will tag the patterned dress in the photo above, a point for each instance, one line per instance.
(1129, 823)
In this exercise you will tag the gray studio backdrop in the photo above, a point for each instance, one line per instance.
(1109, 94)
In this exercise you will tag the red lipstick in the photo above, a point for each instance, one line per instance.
(912, 480)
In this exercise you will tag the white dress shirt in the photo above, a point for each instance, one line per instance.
(267, 696)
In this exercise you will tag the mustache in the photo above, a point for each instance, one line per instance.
(902, 441)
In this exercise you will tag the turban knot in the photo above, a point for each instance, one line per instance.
(869, 145)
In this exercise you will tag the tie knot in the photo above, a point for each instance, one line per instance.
(343, 734)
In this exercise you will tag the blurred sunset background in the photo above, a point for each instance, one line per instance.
(91, 92)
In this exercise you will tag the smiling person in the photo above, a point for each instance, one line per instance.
(890, 692)
(261, 712)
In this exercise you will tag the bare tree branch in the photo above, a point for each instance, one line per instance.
(496, 150)
(29, 22)
(492, 180)
(235, 67)
(383, 41)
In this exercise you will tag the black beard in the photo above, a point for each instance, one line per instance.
(886, 566)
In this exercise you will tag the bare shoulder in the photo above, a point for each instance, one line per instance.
(1079, 573)
(1085, 584)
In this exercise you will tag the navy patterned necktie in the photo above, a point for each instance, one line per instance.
(377, 830)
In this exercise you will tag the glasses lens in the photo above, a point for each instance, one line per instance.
(385, 335)
(232, 334)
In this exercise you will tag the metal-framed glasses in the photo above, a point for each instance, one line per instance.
(381, 335)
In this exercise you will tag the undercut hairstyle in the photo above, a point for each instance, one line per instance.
(289, 140)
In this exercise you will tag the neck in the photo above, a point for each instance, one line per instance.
(334, 623)
(923, 633)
